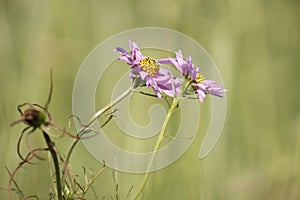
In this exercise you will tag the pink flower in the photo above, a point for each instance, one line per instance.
(199, 84)
(146, 71)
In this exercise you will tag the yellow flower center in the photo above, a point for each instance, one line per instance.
(149, 65)
(199, 78)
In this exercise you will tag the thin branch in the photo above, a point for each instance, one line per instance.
(178, 139)
(129, 192)
(19, 143)
(110, 105)
(82, 131)
(154, 96)
(29, 146)
(15, 183)
(26, 160)
(50, 91)
(91, 182)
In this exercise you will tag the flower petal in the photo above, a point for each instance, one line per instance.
(143, 75)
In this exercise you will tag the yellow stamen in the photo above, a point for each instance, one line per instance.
(149, 65)
(199, 78)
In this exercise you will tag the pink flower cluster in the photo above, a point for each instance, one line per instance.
(147, 72)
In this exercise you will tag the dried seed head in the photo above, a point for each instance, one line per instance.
(34, 117)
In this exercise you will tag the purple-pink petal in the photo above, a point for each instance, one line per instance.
(165, 61)
(121, 50)
(143, 75)
(162, 82)
(201, 95)
(214, 88)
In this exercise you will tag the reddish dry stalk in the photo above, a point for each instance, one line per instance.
(19, 142)
(30, 149)
(26, 160)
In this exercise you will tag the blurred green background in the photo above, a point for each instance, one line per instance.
(254, 43)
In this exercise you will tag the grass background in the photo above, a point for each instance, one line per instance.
(254, 43)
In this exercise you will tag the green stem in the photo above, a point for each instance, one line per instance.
(95, 117)
(157, 144)
(108, 106)
(161, 136)
(51, 146)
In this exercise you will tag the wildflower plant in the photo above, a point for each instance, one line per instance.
(144, 72)
(149, 73)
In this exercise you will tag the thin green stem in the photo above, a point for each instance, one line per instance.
(110, 105)
(96, 116)
(157, 145)
(93, 119)
(160, 138)
(51, 146)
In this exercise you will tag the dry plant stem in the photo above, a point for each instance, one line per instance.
(26, 160)
(51, 147)
(129, 191)
(90, 183)
(115, 177)
(19, 143)
(15, 183)
(50, 91)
